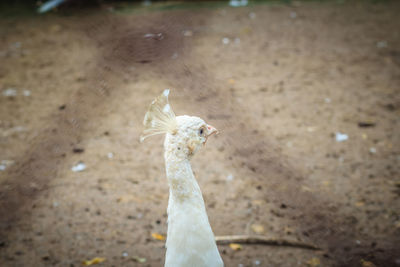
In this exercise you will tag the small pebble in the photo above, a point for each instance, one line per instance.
(79, 167)
(225, 40)
(187, 33)
(340, 137)
(110, 155)
(229, 177)
(293, 15)
(124, 254)
(10, 92)
(17, 45)
(372, 150)
(174, 55)
(146, 3)
(381, 44)
(311, 129)
(5, 163)
(238, 3)
(252, 15)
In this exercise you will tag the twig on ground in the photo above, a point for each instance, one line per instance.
(261, 240)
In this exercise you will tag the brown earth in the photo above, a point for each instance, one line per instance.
(287, 79)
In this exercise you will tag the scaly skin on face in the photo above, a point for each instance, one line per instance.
(191, 135)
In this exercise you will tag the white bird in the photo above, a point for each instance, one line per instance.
(190, 240)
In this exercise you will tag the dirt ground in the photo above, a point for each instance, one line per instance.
(279, 81)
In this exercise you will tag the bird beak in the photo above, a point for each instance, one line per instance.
(211, 130)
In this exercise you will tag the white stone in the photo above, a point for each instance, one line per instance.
(238, 3)
(340, 137)
(381, 44)
(10, 92)
(79, 167)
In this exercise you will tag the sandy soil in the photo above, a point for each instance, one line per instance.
(279, 88)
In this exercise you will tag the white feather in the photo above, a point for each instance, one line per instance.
(160, 118)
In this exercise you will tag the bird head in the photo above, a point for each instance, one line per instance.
(185, 135)
(192, 134)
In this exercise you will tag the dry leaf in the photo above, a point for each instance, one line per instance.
(313, 262)
(326, 183)
(158, 236)
(359, 204)
(364, 136)
(139, 259)
(235, 246)
(257, 202)
(311, 129)
(231, 81)
(306, 188)
(93, 261)
(257, 228)
(367, 263)
(245, 30)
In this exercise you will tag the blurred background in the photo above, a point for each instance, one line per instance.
(304, 93)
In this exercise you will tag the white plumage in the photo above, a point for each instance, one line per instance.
(190, 240)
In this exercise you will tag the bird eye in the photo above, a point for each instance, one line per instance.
(201, 131)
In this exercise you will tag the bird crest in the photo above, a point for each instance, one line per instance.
(160, 118)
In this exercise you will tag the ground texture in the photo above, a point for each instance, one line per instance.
(279, 82)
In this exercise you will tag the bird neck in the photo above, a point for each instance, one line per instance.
(190, 240)
(182, 183)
